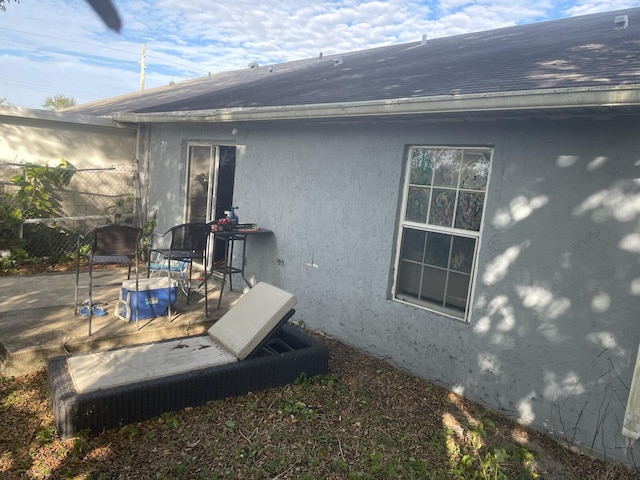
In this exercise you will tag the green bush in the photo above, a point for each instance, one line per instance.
(34, 199)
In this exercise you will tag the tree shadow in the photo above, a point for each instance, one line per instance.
(557, 291)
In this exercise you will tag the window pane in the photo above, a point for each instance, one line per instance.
(409, 279)
(462, 254)
(199, 167)
(447, 168)
(418, 204)
(413, 245)
(445, 196)
(475, 170)
(442, 207)
(421, 166)
(437, 253)
(457, 290)
(469, 211)
(433, 283)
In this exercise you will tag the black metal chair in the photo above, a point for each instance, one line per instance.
(114, 244)
(188, 243)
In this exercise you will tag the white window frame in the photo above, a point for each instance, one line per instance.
(426, 227)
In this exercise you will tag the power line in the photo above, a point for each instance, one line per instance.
(85, 56)
(99, 45)
(46, 88)
(90, 44)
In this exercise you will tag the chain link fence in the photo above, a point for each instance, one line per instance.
(43, 209)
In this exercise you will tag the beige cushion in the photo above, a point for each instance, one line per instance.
(124, 366)
(230, 339)
(252, 318)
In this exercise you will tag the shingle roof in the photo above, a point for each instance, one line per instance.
(585, 51)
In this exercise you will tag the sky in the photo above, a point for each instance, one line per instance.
(51, 47)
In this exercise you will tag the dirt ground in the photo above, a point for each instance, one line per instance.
(363, 420)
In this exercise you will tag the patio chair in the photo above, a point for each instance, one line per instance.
(180, 269)
(188, 243)
(114, 244)
(249, 349)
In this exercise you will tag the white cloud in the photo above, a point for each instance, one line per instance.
(585, 8)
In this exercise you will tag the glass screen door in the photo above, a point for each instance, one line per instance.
(210, 180)
(202, 170)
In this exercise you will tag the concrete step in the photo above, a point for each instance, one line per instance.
(37, 319)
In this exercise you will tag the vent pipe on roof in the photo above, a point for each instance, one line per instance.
(424, 39)
(621, 22)
(320, 55)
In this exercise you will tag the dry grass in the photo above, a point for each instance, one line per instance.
(364, 420)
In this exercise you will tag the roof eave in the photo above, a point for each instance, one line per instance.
(548, 99)
(59, 116)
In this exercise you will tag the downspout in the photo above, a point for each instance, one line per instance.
(142, 176)
(136, 182)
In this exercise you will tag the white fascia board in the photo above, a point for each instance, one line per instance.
(59, 116)
(626, 95)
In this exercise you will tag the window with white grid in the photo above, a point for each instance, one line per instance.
(440, 225)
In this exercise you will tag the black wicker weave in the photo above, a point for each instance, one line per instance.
(289, 353)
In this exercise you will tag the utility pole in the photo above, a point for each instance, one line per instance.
(143, 66)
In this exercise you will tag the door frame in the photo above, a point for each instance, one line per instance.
(212, 186)
(213, 197)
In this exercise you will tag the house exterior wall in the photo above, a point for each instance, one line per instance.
(168, 166)
(33, 136)
(86, 143)
(552, 336)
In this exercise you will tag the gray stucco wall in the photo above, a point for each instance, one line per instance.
(168, 167)
(553, 335)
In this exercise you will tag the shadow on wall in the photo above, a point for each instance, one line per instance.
(567, 295)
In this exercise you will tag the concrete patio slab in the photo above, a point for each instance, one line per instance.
(37, 318)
